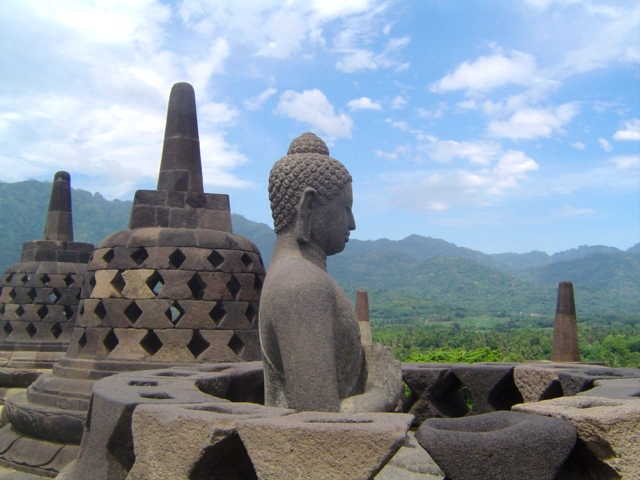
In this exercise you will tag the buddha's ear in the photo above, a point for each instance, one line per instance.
(305, 206)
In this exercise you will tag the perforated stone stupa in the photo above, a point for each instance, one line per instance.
(40, 294)
(178, 287)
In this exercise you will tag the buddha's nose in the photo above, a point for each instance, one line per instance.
(352, 221)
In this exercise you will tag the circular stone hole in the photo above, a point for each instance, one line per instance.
(157, 396)
(141, 383)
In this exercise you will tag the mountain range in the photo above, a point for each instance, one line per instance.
(606, 279)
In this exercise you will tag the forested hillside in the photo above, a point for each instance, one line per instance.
(410, 280)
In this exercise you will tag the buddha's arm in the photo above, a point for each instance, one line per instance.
(384, 383)
(307, 347)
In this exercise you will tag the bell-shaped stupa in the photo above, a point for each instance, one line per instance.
(178, 287)
(40, 294)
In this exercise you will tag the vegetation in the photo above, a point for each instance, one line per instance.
(616, 344)
(429, 299)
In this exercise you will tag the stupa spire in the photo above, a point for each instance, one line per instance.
(181, 167)
(59, 224)
(566, 347)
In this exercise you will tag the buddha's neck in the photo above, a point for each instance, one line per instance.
(287, 245)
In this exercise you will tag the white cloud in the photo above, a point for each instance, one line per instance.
(255, 103)
(529, 123)
(630, 131)
(438, 112)
(357, 60)
(605, 145)
(487, 73)
(626, 163)
(446, 151)
(363, 103)
(403, 151)
(468, 105)
(430, 191)
(398, 103)
(313, 107)
(578, 145)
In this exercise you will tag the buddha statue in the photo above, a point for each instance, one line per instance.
(310, 338)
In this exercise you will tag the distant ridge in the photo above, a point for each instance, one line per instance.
(606, 279)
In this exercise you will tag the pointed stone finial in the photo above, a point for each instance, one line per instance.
(59, 224)
(362, 313)
(565, 346)
(181, 167)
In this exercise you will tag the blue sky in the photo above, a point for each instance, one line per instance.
(496, 125)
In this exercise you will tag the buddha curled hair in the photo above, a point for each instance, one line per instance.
(307, 164)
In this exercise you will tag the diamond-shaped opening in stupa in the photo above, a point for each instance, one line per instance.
(56, 330)
(118, 282)
(108, 256)
(31, 330)
(133, 312)
(42, 312)
(67, 311)
(151, 343)
(246, 260)
(217, 313)
(99, 310)
(139, 255)
(7, 328)
(197, 287)
(198, 344)
(174, 313)
(257, 283)
(155, 282)
(110, 341)
(19, 311)
(215, 259)
(233, 285)
(32, 294)
(45, 279)
(55, 295)
(68, 280)
(82, 341)
(177, 258)
(236, 344)
(250, 313)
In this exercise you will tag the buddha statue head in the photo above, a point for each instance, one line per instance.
(311, 196)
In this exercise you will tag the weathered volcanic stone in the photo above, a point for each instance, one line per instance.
(498, 446)
(565, 347)
(176, 288)
(546, 380)
(196, 442)
(609, 428)
(436, 389)
(39, 296)
(303, 309)
(107, 451)
(362, 312)
(323, 446)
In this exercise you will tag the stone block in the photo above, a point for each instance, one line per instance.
(315, 445)
(136, 284)
(175, 198)
(626, 388)
(150, 197)
(174, 441)
(142, 216)
(108, 448)
(215, 220)
(183, 218)
(609, 428)
(498, 446)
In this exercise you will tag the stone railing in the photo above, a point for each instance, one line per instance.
(187, 422)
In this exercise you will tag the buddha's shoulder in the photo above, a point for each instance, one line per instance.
(297, 273)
